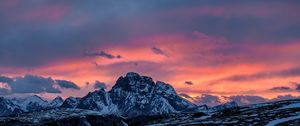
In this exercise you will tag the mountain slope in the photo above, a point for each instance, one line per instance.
(16, 106)
(30, 103)
(7, 107)
(285, 112)
(274, 113)
(98, 101)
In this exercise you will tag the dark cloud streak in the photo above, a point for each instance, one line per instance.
(35, 84)
(102, 54)
(158, 51)
(188, 83)
(282, 88)
(67, 84)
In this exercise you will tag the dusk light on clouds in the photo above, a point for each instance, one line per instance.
(205, 49)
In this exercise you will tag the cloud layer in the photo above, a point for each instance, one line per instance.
(227, 48)
(67, 84)
(34, 84)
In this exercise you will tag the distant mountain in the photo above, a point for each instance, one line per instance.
(229, 105)
(28, 104)
(71, 102)
(56, 102)
(7, 107)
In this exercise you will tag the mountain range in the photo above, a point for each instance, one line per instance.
(136, 100)
(132, 95)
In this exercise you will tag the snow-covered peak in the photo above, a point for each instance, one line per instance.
(134, 77)
(228, 105)
(30, 103)
(133, 82)
(99, 101)
(34, 98)
(162, 87)
(71, 102)
(139, 95)
(7, 107)
(96, 95)
(58, 98)
(56, 102)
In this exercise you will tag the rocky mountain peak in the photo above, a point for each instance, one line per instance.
(132, 74)
(133, 82)
(139, 95)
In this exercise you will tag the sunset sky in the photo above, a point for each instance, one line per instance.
(203, 48)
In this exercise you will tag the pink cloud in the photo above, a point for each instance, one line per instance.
(194, 57)
(53, 13)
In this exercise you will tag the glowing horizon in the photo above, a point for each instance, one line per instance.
(200, 47)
